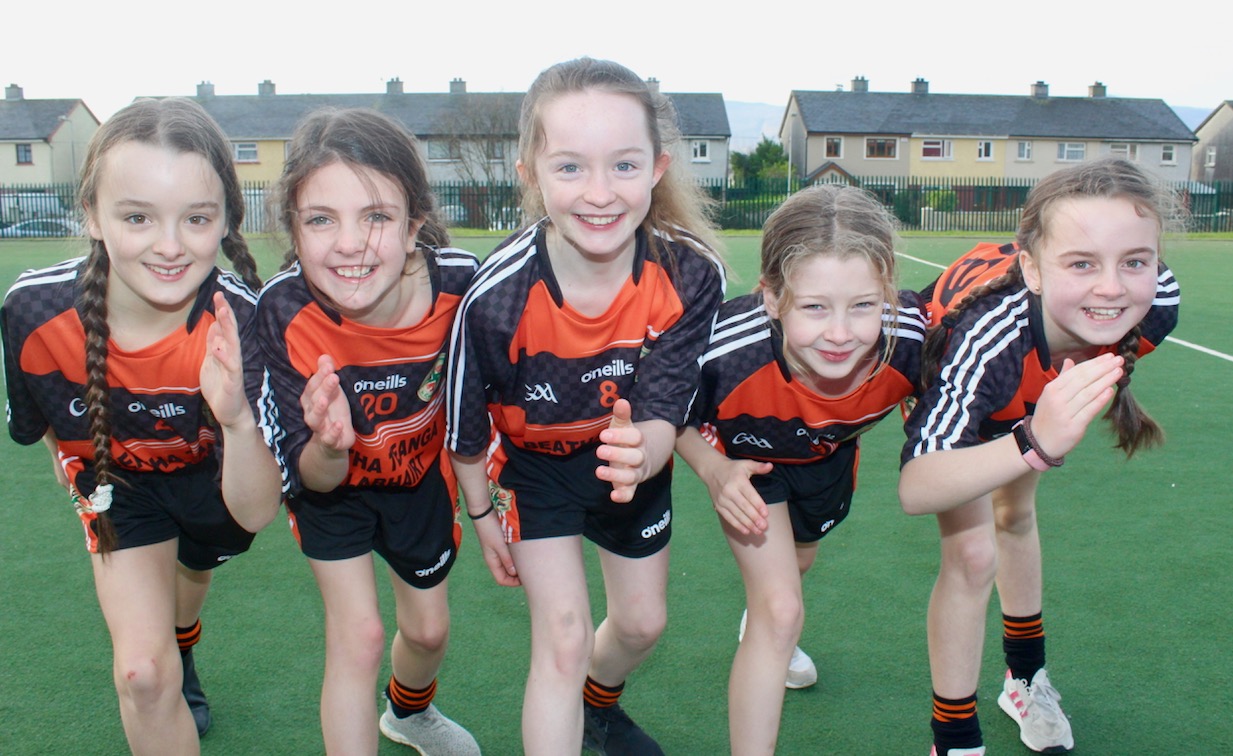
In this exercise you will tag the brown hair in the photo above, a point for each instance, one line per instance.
(1109, 178)
(679, 208)
(835, 220)
(362, 138)
(176, 124)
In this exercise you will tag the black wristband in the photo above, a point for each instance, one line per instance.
(483, 514)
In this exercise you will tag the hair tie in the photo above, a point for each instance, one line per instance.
(483, 514)
(950, 320)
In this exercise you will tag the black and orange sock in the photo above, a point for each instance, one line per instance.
(407, 701)
(600, 696)
(1023, 641)
(955, 723)
(187, 637)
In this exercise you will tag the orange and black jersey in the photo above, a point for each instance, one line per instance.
(549, 375)
(158, 417)
(750, 406)
(997, 362)
(391, 376)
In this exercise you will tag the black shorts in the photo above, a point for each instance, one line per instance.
(415, 530)
(152, 507)
(818, 494)
(544, 496)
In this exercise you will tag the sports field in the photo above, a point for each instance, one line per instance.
(1138, 591)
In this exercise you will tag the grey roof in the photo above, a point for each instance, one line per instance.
(425, 114)
(1225, 104)
(990, 115)
(35, 120)
(701, 113)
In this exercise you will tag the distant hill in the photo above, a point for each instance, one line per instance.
(750, 121)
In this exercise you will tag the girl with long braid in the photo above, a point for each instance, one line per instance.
(131, 364)
(1031, 341)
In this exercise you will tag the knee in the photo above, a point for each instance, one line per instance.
(641, 628)
(144, 679)
(1016, 520)
(782, 616)
(971, 560)
(570, 641)
(359, 643)
(426, 634)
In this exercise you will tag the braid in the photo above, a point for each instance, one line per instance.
(1131, 424)
(236, 249)
(937, 336)
(93, 304)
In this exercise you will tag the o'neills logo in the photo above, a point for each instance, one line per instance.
(614, 369)
(394, 381)
(650, 531)
(445, 557)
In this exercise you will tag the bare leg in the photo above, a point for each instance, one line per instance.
(771, 570)
(137, 594)
(1019, 578)
(423, 632)
(562, 638)
(354, 647)
(637, 607)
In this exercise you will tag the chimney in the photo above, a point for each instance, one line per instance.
(13, 92)
(1040, 89)
(393, 86)
(266, 88)
(652, 84)
(1096, 90)
(458, 86)
(920, 86)
(205, 89)
(860, 84)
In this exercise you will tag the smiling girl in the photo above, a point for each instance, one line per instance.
(354, 333)
(794, 374)
(580, 339)
(128, 364)
(1032, 342)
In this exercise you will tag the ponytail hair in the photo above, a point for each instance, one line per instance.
(182, 126)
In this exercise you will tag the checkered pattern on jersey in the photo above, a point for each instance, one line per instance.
(549, 375)
(158, 420)
(390, 376)
(751, 407)
(997, 364)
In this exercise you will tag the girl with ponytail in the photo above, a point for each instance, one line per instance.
(1030, 341)
(129, 364)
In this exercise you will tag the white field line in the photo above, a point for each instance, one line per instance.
(1187, 344)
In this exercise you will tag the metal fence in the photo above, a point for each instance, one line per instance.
(932, 204)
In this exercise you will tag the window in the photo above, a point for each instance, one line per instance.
(1125, 150)
(702, 151)
(1071, 152)
(1025, 151)
(444, 149)
(936, 149)
(495, 149)
(881, 149)
(834, 147)
(1168, 154)
(1209, 160)
(25, 154)
(245, 152)
(984, 150)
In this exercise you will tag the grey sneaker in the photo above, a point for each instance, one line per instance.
(1037, 709)
(430, 732)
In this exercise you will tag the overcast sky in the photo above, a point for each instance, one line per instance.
(109, 53)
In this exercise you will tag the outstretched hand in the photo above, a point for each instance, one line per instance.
(222, 369)
(623, 447)
(1070, 402)
(326, 410)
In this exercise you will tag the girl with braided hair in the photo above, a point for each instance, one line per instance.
(129, 363)
(1031, 341)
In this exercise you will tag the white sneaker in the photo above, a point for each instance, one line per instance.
(980, 751)
(1036, 707)
(802, 672)
(430, 732)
